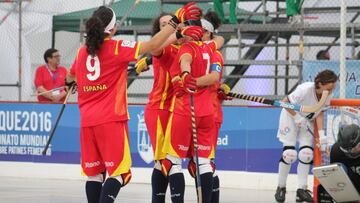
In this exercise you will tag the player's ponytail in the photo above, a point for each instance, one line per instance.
(95, 28)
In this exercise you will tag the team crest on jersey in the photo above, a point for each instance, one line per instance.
(127, 43)
(143, 140)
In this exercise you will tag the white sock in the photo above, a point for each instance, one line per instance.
(284, 170)
(302, 172)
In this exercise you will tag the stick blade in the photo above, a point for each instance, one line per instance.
(312, 109)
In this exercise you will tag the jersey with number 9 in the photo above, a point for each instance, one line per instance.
(102, 81)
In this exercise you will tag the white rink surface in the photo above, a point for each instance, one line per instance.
(31, 190)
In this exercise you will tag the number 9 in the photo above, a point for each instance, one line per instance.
(95, 68)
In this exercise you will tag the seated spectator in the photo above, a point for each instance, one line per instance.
(323, 55)
(50, 76)
(218, 7)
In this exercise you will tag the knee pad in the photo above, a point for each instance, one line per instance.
(170, 165)
(289, 155)
(306, 155)
(205, 166)
(123, 178)
(97, 178)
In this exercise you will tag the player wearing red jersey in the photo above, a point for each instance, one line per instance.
(157, 109)
(193, 60)
(101, 73)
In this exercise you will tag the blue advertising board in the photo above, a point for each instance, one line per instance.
(247, 139)
(352, 78)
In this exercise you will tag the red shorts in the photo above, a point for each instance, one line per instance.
(216, 135)
(156, 121)
(105, 147)
(179, 138)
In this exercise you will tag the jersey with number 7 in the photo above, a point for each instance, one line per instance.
(200, 65)
(102, 81)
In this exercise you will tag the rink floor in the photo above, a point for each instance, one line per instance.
(72, 191)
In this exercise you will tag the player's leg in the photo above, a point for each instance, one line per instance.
(205, 128)
(287, 135)
(156, 122)
(113, 143)
(215, 197)
(306, 156)
(91, 164)
(176, 145)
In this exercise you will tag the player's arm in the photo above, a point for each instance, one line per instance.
(185, 62)
(210, 79)
(170, 40)
(189, 12)
(219, 40)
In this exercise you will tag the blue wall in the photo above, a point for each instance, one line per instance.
(247, 139)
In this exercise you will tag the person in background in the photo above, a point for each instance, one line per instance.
(323, 55)
(218, 7)
(50, 76)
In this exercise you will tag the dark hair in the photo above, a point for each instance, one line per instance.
(214, 19)
(325, 77)
(95, 28)
(156, 23)
(48, 54)
(321, 55)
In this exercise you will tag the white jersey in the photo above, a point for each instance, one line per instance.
(288, 132)
(305, 95)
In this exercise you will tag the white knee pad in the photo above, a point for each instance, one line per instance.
(97, 178)
(176, 164)
(306, 155)
(205, 166)
(289, 155)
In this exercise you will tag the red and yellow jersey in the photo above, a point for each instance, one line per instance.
(102, 81)
(162, 91)
(212, 45)
(217, 58)
(200, 66)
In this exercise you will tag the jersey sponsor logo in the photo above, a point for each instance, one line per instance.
(109, 163)
(92, 164)
(143, 140)
(204, 148)
(127, 43)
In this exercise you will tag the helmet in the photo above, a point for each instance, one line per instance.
(348, 138)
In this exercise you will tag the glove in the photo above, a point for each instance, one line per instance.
(300, 121)
(143, 65)
(223, 91)
(189, 82)
(178, 86)
(194, 32)
(71, 84)
(322, 140)
(188, 12)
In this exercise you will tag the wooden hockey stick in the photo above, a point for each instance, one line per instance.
(57, 121)
(42, 93)
(296, 107)
(193, 123)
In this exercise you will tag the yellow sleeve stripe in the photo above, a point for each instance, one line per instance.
(137, 50)
(117, 48)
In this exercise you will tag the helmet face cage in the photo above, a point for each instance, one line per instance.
(353, 152)
(349, 139)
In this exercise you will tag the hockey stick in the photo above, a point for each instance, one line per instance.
(57, 121)
(193, 124)
(296, 107)
(42, 93)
